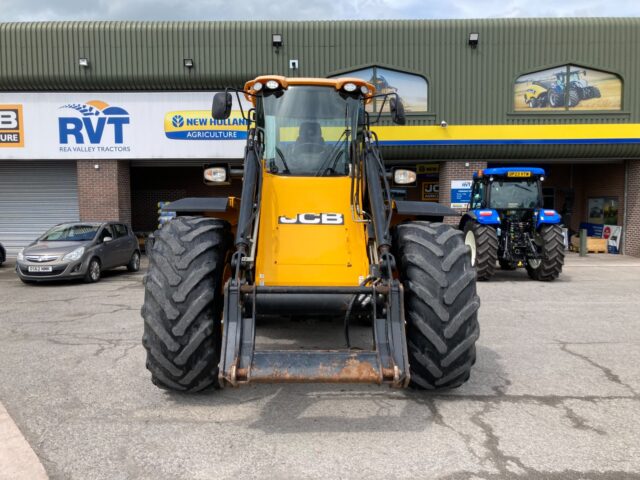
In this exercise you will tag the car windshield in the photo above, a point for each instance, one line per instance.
(514, 194)
(71, 233)
(308, 130)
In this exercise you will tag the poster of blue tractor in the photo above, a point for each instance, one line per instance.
(568, 87)
(506, 224)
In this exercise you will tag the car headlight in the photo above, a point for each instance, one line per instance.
(20, 255)
(75, 255)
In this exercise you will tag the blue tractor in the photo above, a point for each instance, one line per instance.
(507, 225)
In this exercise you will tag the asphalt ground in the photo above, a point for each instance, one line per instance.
(554, 393)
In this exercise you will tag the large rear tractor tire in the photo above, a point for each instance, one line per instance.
(483, 242)
(441, 304)
(551, 243)
(183, 303)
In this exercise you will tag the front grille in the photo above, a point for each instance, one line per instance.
(41, 258)
(54, 271)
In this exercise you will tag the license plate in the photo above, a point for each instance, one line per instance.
(518, 174)
(39, 269)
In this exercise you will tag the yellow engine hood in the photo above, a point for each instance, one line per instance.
(307, 236)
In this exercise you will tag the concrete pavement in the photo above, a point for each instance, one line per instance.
(554, 393)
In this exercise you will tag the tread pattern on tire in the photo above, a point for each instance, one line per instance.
(552, 254)
(183, 303)
(441, 304)
(486, 249)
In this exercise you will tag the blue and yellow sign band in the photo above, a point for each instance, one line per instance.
(199, 125)
(574, 134)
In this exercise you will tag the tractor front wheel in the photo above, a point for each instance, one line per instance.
(183, 303)
(441, 304)
(483, 242)
(550, 242)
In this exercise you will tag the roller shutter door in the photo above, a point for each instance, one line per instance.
(33, 197)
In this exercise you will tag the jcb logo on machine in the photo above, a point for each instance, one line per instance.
(313, 219)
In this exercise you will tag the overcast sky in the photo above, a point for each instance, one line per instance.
(27, 10)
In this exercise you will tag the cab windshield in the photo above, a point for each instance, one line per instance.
(514, 194)
(308, 130)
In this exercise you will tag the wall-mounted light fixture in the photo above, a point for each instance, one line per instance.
(188, 62)
(276, 40)
(473, 39)
(83, 62)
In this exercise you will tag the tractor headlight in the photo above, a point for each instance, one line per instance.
(215, 174)
(257, 86)
(403, 176)
(364, 90)
(74, 255)
(350, 87)
(272, 85)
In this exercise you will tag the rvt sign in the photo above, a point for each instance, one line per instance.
(94, 122)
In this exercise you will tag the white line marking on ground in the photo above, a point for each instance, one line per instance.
(17, 460)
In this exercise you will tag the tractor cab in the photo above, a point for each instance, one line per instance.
(308, 129)
(506, 221)
(508, 189)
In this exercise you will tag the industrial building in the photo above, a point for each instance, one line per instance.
(103, 120)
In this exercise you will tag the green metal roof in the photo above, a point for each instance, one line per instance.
(466, 86)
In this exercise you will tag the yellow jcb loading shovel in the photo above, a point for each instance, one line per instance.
(314, 233)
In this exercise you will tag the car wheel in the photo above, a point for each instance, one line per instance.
(94, 271)
(134, 262)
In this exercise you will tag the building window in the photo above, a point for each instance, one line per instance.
(568, 87)
(412, 89)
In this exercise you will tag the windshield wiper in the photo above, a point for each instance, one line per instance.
(272, 164)
(336, 152)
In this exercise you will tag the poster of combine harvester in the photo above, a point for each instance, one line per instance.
(568, 87)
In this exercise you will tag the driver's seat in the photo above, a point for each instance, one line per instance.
(310, 132)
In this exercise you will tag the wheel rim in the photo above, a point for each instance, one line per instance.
(136, 261)
(534, 263)
(470, 240)
(94, 270)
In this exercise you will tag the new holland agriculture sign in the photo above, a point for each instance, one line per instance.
(94, 125)
(199, 125)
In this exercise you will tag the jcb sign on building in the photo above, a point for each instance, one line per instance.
(11, 131)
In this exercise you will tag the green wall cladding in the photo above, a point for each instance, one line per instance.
(466, 85)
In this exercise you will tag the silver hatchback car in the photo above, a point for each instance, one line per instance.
(79, 250)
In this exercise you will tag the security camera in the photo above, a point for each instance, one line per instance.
(443, 124)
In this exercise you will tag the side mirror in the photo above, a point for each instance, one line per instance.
(397, 110)
(106, 239)
(221, 107)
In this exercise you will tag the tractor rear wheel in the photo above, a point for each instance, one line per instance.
(483, 242)
(550, 241)
(440, 304)
(183, 303)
